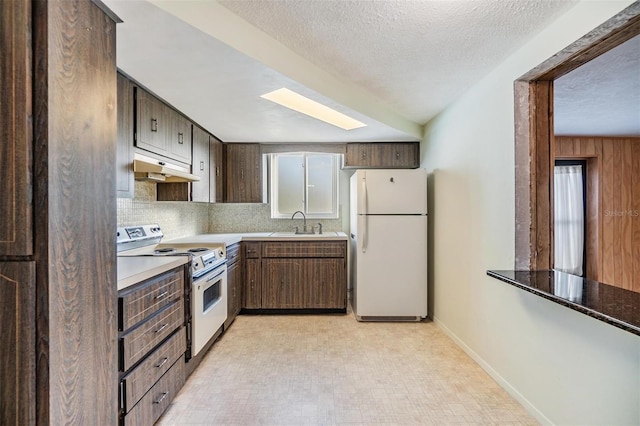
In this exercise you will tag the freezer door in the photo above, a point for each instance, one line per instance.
(391, 267)
(392, 191)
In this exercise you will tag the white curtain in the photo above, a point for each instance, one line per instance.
(569, 219)
(568, 286)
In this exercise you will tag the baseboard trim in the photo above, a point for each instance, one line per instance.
(531, 409)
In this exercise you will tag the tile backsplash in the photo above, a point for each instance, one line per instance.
(177, 219)
(257, 218)
(182, 219)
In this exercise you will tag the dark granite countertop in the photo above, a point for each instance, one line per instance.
(613, 305)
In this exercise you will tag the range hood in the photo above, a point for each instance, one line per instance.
(153, 169)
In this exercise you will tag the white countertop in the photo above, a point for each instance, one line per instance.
(135, 269)
(230, 239)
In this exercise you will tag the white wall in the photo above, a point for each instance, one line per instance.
(565, 367)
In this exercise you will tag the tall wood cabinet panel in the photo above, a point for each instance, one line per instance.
(17, 343)
(243, 165)
(16, 130)
(124, 159)
(75, 134)
(200, 191)
(382, 155)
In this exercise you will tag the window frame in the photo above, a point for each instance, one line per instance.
(274, 187)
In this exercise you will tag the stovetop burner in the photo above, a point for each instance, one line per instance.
(198, 250)
(164, 250)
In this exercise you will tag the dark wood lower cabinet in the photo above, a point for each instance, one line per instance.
(295, 275)
(234, 292)
(152, 343)
(303, 284)
(234, 283)
(157, 400)
(252, 297)
(17, 343)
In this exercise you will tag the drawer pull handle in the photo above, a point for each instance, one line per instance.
(162, 397)
(163, 362)
(162, 327)
(161, 295)
(154, 124)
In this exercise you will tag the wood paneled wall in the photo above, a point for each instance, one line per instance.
(613, 205)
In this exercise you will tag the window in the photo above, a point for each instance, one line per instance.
(569, 216)
(304, 181)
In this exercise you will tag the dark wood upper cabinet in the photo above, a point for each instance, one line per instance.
(16, 132)
(391, 155)
(152, 123)
(180, 137)
(216, 172)
(124, 158)
(243, 164)
(160, 129)
(200, 191)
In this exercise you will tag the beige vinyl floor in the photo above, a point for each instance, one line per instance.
(333, 370)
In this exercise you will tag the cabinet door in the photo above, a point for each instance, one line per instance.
(283, 283)
(244, 173)
(152, 123)
(179, 137)
(234, 287)
(201, 157)
(216, 172)
(124, 158)
(324, 282)
(252, 294)
(400, 155)
(17, 138)
(17, 340)
(382, 155)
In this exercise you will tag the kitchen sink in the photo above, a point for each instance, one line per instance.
(327, 234)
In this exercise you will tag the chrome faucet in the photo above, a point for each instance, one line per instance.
(304, 223)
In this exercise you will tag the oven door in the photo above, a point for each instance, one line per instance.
(208, 307)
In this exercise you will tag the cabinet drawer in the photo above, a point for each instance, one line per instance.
(138, 382)
(252, 250)
(233, 254)
(304, 249)
(135, 344)
(156, 401)
(145, 300)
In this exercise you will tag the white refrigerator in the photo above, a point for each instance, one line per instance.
(388, 227)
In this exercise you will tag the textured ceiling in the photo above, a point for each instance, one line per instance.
(417, 56)
(391, 64)
(602, 97)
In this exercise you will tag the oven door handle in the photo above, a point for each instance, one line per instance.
(215, 276)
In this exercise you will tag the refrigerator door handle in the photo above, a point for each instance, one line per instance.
(364, 211)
